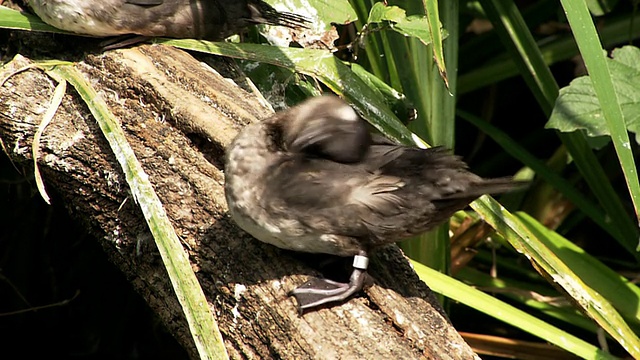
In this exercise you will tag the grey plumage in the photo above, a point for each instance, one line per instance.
(313, 179)
(198, 19)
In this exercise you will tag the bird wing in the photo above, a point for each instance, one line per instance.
(394, 193)
(335, 198)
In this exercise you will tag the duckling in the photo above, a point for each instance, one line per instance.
(194, 19)
(314, 179)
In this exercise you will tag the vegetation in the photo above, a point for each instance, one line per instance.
(485, 78)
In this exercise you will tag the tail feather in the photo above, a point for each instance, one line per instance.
(489, 186)
(263, 13)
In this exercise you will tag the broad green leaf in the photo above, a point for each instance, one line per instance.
(415, 25)
(398, 102)
(578, 107)
(380, 12)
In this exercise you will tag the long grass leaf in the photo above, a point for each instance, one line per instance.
(202, 324)
(612, 286)
(524, 237)
(56, 100)
(595, 60)
(530, 295)
(13, 19)
(491, 306)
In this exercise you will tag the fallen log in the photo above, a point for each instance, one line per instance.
(178, 115)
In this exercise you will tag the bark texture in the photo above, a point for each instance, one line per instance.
(179, 115)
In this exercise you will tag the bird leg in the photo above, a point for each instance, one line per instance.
(316, 292)
(122, 41)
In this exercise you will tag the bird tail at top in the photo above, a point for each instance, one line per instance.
(263, 13)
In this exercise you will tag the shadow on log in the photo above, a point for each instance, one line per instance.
(178, 115)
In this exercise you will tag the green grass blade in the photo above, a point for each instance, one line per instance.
(421, 82)
(12, 19)
(595, 60)
(202, 324)
(450, 18)
(443, 96)
(491, 306)
(408, 66)
(621, 293)
(531, 295)
(524, 237)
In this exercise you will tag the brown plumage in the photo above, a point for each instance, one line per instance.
(195, 19)
(313, 179)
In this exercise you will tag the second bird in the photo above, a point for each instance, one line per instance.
(189, 19)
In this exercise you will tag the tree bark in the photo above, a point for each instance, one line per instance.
(178, 116)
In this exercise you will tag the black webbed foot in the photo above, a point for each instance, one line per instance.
(317, 292)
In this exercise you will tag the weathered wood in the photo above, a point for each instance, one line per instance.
(166, 101)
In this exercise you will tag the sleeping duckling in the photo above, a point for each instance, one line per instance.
(314, 179)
